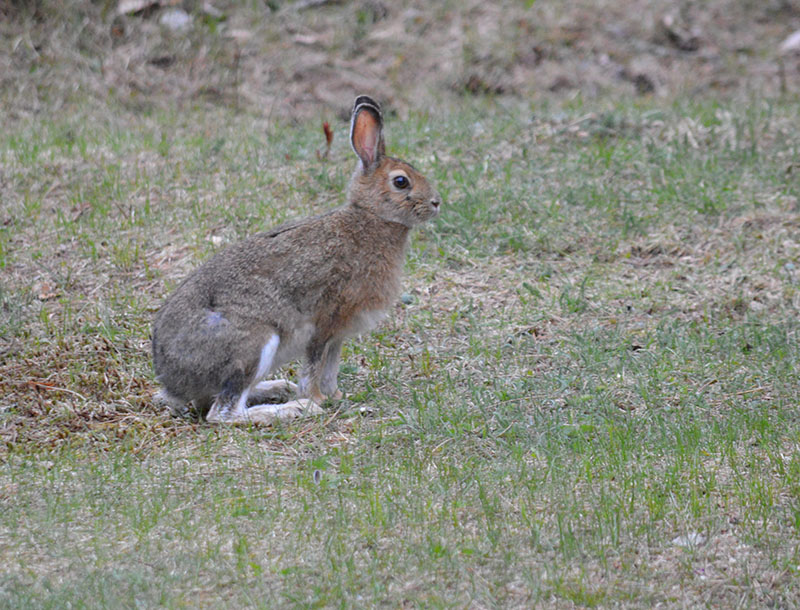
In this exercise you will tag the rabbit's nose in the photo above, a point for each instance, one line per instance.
(435, 203)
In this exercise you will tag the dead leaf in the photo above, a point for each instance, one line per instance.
(45, 291)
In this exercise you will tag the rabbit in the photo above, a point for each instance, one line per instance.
(296, 291)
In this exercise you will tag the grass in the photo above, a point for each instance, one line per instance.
(598, 359)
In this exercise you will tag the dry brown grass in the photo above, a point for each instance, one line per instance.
(290, 64)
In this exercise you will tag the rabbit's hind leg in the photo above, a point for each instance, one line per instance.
(231, 404)
(230, 407)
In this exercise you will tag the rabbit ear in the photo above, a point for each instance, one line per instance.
(366, 131)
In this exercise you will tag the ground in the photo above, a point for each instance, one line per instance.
(586, 395)
(279, 60)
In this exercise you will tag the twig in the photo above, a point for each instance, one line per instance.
(52, 388)
(760, 388)
(305, 4)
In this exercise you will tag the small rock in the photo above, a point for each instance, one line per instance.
(212, 11)
(792, 43)
(690, 540)
(239, 36)
(407, 299)
(131, 7)
(175, 19)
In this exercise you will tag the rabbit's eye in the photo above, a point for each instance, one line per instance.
(400, 182)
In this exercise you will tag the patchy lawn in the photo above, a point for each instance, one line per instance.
(586, 397)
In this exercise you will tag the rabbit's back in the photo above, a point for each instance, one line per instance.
(347, 259)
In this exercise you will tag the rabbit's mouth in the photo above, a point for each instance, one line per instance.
(426, 211)
(434, 206)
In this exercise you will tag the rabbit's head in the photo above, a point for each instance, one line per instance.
(389, 187)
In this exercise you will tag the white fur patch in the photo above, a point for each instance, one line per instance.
(241, 404)
(264, 365)
(267, 357)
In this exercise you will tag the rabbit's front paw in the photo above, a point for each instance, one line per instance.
(319, 398)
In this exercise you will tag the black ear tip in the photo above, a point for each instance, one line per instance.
(365, 100)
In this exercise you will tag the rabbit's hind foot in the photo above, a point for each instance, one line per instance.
(300, 407)
(263, 413)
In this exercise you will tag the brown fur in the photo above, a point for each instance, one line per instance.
(312, 283)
